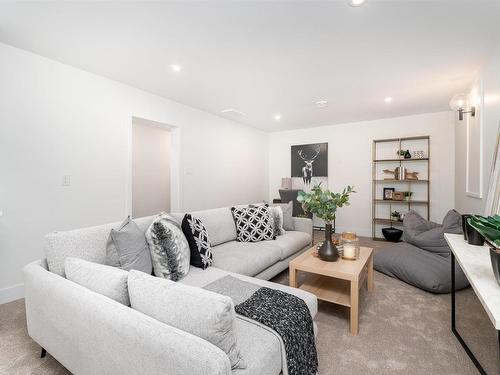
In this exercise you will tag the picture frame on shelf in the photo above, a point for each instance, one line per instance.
(388, 193)
(397, 196)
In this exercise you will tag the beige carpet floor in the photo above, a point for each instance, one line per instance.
(402, 331)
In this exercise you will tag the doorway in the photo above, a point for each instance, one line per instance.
(151, 167)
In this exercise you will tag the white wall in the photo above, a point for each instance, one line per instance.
(56, 120)
(488, 118)
(350, 155)
(151, 155)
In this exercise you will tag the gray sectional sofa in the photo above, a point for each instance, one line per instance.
(92, 334)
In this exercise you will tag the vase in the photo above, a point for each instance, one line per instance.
(328, 251)
(464, 224)
(407, 154)
(473, 236)
(495, 263)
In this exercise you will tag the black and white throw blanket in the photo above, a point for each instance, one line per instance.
(284, 314)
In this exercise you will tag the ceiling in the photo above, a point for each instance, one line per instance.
(271, 57)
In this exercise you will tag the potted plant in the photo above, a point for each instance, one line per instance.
(396, 215)
(489, 228)
(324, 204)
(407, 195)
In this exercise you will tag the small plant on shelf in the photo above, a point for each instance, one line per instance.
(407, 195)
(396, 215)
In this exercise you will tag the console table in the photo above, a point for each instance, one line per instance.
(476, 264)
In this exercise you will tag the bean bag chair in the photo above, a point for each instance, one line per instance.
(424, 259)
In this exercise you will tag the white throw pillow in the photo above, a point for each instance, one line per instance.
(277, 213)
(169, 248)
(106, 280)
(205, 314)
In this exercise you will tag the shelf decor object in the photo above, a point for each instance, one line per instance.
(409, 173)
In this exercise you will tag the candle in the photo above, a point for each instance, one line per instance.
(349, 251)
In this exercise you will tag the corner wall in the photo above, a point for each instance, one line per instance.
(350, 156)
(488, 117)
(56, 120)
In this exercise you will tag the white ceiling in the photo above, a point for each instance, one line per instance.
(269, 57)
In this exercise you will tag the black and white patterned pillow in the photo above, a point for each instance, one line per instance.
(199, 242)
(253, 224)
(169, 248)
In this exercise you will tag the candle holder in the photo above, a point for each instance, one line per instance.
(350, 246)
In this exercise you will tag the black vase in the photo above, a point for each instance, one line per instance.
(328, 251)
(464, 224)
(495, 263)
(473, 236)
(407, 154)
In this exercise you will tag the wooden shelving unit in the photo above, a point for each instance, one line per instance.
(403, 185)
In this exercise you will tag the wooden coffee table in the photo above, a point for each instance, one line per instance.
(336, 282)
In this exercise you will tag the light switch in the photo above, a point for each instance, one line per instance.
(66, 180)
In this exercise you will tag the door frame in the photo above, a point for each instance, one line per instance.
(175, 162)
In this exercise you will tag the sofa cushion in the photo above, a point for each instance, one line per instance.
(86, 243)
(218, 221)
(200, 278)
(259, 347)
(169, 248)
(253, 224)
(291, 242)
(127, 248)
(247, 258)
(200, 312)
(287, 208)
(199, 241)
(424, 269)
(106, 280)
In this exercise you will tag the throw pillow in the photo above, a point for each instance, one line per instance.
(169, 248)
(127, 248)
(205, 314)
(277, 214)
(253, 224)
(108, 281)
(199, 243)
(287, 209)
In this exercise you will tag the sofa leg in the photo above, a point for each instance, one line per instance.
(43, 353)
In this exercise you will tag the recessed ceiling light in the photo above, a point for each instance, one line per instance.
(388, 99)
(356, 3)
(176, 68)
(277, 117)
(321, 103)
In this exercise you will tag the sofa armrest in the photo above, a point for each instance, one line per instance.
(303, 224)
(92, 334)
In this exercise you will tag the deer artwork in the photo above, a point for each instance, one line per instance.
(307, 170)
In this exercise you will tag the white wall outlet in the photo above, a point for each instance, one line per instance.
(66, 181)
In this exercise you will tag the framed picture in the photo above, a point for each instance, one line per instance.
(309, 166)
(397, 196)
(388, 193)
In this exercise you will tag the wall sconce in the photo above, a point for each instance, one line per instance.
(461, 104)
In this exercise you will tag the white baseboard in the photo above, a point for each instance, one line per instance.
(11, 293)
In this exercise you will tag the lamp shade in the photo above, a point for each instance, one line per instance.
(459, 101)
(286, 183)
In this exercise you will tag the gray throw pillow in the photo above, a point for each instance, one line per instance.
(287, 209)
(127, 248)
(205, 314)
(169, 248)
(108, 281)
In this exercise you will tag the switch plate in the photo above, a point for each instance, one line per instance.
(66, 181)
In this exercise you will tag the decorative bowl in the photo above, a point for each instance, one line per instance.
(392, 234)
